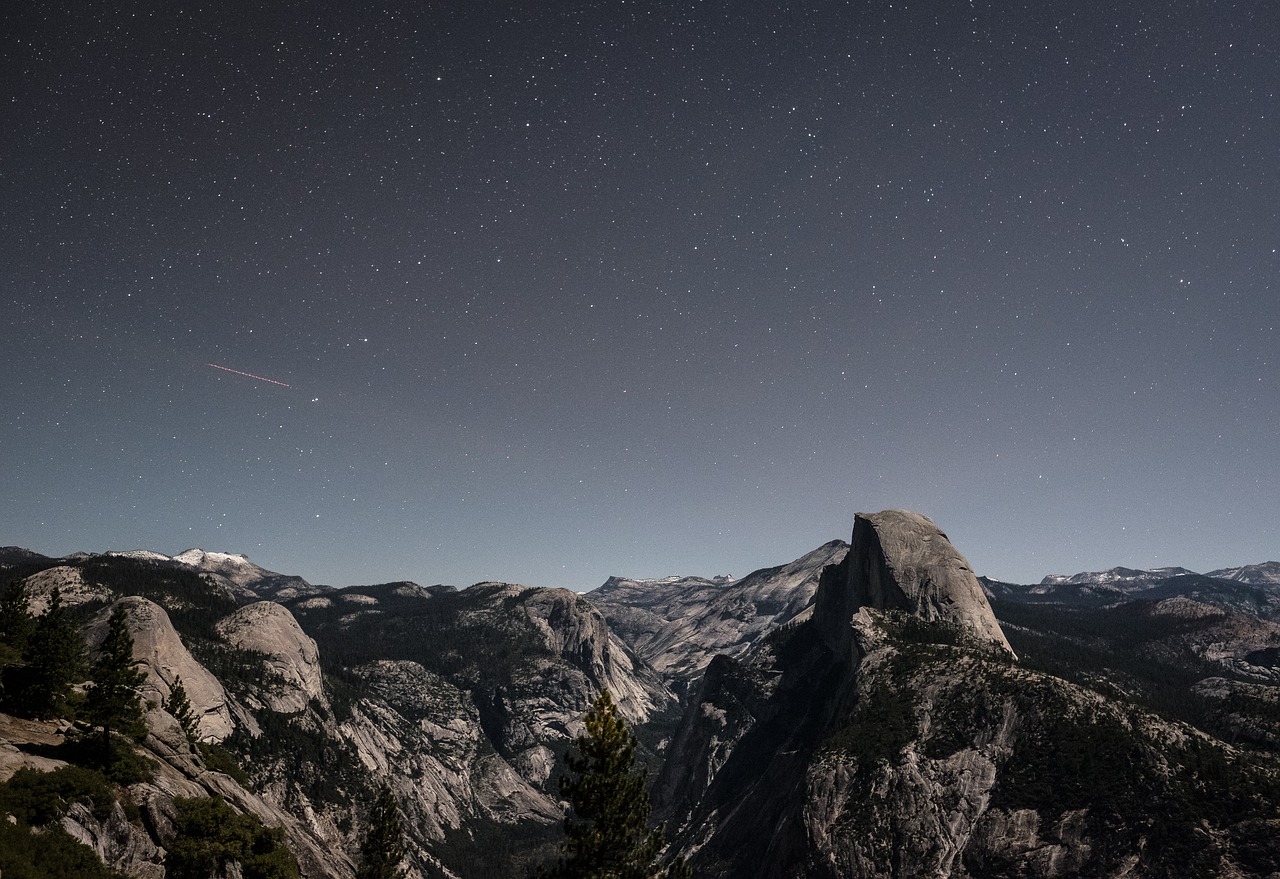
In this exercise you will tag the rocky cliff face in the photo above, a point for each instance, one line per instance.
(292, 659)
(860, 714)
(134, 832)
(679, 624)
(467, 702)
(73, 589)
(902, 561)
(463, 702)
(893, 735)
(162, 655)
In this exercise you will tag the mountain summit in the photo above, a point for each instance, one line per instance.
(901, 560)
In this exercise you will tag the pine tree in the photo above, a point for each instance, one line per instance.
(607, 834)
(16, 624)
(383, 847)
(179, 705)
(113, 698)
(53, 662)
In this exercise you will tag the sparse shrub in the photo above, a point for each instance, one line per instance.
(38, 798)
(49, 854)
(219, 759)
(882, 724)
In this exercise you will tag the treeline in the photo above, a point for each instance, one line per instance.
(193, 603)
(41, 658)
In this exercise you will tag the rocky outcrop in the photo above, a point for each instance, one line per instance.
(132, 833)
(902, 561)
(575, 632)
(72, 588)
(468, 718)
(424, 736)
(162, 655)
(292, 657)
(892, 734)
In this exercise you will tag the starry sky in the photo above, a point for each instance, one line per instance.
(551, 292)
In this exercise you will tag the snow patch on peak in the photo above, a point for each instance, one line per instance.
(200, 558)
(1122, 578)
(1265, 574)
(235, 568)
(145, 555)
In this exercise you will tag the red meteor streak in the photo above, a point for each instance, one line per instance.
(249, 375)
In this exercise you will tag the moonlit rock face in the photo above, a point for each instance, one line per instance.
(70, 583)
(902, 561)
(267, 627)
(165, 658)
(678, 624)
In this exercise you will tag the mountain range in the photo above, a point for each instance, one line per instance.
(870, 709)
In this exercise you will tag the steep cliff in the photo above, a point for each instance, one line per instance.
(162, 655)
(467, 701)
(291, 657)
(462, 702)
(864, 717)
(679, 624)
(901, 560)
(892, 734)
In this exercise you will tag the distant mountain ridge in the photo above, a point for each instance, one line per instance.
(1253, 589)
(678, 624)
(809, 719)
(1120, 577)
(234, 571)
(1264, 574)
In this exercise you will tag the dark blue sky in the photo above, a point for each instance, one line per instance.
(562, 291)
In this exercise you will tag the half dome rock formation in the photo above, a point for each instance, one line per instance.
(901, 560)
(891, 734)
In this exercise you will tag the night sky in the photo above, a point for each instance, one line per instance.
(551, 292)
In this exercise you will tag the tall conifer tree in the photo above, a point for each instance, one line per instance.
(53, 662)
(383, 847)
(607, 833)
(179, 705)
(16, 624)
(113, 698)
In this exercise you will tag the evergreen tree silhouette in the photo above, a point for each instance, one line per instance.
(179, 705)
(383, 847)
(52, 663)
(16, 624)
(113, 698)
(607, 833)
